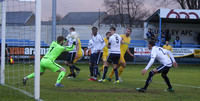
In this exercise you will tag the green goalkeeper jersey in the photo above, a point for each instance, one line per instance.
(56, 49)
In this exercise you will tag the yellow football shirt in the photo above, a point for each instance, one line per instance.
(168, 48)
(105, 49)
(80, 51)
(124, 46)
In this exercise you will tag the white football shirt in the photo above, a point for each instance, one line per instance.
(115, 43)
(98, 43)
(162, 56)
(70, 41)
(91, 46)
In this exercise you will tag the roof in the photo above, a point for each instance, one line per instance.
(173, 16)
(21, 18)
(112, 19)
(81, 18)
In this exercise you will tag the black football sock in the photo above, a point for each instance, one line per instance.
(149, 79)
(91, 70)
(95, 70)
(116, 73)
(105, 71)
(166, 80)
(76, 68)
(71, 69)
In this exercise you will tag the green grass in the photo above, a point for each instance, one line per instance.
(185, 81)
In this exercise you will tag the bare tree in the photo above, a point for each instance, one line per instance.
(133, 8)
(184, 4)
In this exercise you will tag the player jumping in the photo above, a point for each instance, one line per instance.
(47, 62)
(72, 54)
(161, 55)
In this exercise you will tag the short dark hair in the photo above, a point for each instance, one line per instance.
(60, 38)
(129, 28)
(94, 28)
(113, 28)
(152, 43)
(107, 33)
(72, 28)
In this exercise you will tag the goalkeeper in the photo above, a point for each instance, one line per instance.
(47, 62)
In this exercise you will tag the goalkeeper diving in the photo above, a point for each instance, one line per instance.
(47, 62)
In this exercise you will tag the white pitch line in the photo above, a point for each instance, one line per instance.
(23, 91)
(171, 83)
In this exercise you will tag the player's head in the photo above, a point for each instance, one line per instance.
(151, 44)
(128, 31)
(167, 43)
(60, 40)
(177, 38)
(107, 35)
(112, 30)
(72, 29)
(149, 29)
(94, 31)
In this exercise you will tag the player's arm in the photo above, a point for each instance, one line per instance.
(77, 48)
(171, 49)
(69, 48)
(172, 58)
(109, 41)
(129, 52)
(153, 56)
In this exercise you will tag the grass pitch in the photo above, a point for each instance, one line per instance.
(185, 81)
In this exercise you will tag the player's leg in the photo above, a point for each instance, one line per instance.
(75, 60)
(105, 70)
(115, 66)
(122, 65)
(164, 76)
(32, 75)
(54, 67)
(60, 76)
(97, 57)
(150, 77)
(80, 55)
(69, 61)
(92, 57)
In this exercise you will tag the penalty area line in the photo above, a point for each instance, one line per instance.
(23, 91)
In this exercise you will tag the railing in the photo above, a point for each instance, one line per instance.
(22, 42)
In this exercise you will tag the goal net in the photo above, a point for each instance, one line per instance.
(18, 46)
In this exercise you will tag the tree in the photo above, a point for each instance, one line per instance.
(133, 8)
(184, 4)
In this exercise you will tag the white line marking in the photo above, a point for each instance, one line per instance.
(165, 83)
(23, 91)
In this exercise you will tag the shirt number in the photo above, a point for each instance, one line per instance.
(117, 40)
(51, 49)
(162, 51)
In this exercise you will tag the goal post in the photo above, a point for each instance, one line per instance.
(37, 49)
(3, 37)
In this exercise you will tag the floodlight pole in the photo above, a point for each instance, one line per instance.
(3, 38)
(37, 50)
(53, 20)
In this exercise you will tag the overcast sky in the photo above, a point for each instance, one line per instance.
(65, 6)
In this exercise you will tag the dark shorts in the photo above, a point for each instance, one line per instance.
(95, 58)
(70, 57)
(113, 58)
(163, 69)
